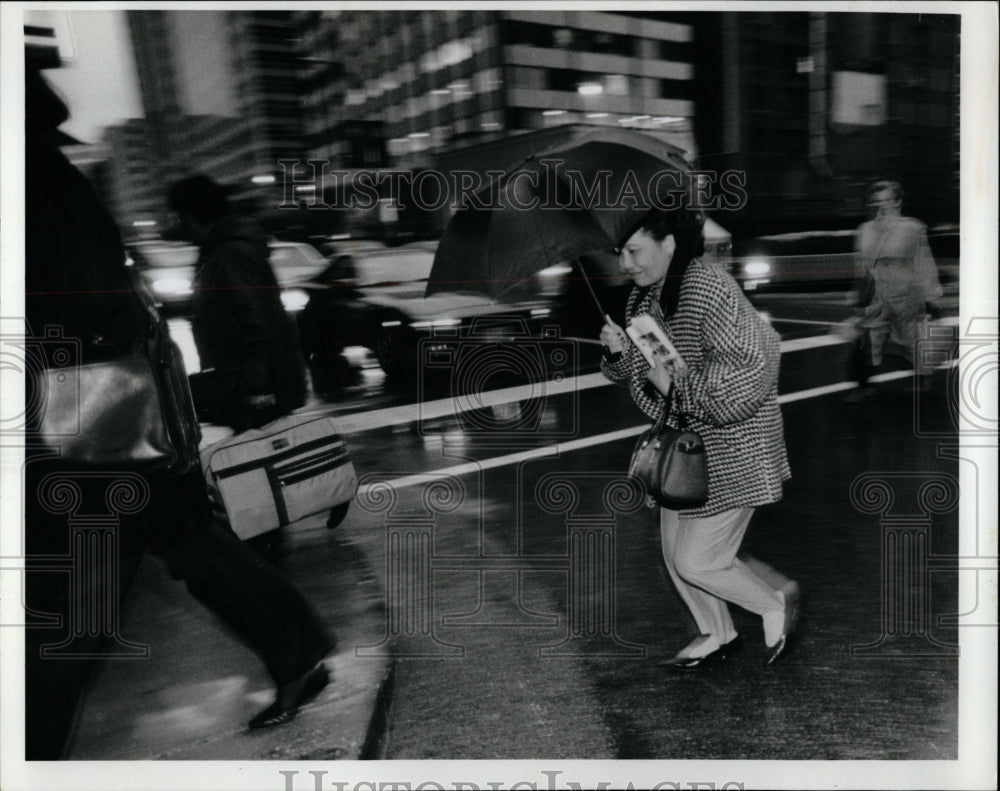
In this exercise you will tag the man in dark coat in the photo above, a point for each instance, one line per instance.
(240, 326)
(76, 283)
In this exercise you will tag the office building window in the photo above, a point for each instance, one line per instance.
(679, 51)
(676, 89)
(487, 80)
(515, 32)
(608, 43)
(532, 79)
(616, 85)
(563, 38)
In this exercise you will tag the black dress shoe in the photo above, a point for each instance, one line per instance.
(292, 695)
(724, 651)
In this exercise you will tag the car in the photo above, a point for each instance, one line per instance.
(823, 260)
(339, 244)
(375, 299)
(811, 260)
(295, 264)
(167, 268)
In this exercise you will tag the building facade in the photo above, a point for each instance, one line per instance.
(48, 41)
(434, 80)
(808, 106)
(133, 198)
(221, 93)
(812, 107)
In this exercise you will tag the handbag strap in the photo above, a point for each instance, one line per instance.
(669, 402)
(668, 410)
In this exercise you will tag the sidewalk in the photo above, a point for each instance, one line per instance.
(191, 698)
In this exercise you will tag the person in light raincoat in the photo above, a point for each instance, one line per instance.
(898, 287)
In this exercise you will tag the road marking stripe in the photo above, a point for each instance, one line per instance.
(552, 451)
(773, 320)
(451, 407)
(357, 422)
(800, 344)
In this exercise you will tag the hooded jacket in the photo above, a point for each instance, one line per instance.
(240, 326)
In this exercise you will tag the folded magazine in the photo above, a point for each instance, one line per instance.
(653, 342)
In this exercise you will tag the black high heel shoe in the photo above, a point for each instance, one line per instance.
(724, 651)
(793, 609)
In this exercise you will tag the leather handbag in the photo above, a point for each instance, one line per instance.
(133, 411)
(671, 464)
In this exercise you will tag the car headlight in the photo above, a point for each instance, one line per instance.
(757, 267)
(419, 325)
(172, 286)
(294, 299)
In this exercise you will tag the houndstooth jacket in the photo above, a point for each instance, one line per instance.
(729, 392)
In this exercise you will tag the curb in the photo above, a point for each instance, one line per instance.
(376, 744)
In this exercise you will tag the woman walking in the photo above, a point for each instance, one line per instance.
(726, 387)
(896, 262)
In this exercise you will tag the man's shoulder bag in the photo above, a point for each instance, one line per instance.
(131, 411)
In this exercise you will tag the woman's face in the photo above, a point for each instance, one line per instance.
(885, 204)
(646, 260)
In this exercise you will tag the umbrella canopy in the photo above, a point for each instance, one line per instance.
(586, 196)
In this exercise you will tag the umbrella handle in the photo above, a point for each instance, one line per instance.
(590, 288)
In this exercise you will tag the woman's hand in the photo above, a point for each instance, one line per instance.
(613, 337)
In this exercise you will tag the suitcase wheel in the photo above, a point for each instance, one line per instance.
(337, 515)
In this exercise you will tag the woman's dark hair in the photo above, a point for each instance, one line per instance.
(687, 228)
(199, 196)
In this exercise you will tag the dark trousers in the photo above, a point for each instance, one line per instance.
(84, 538)
(862, 369)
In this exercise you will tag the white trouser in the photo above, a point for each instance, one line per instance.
(700, 554)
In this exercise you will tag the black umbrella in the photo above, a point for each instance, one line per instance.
(586, 196)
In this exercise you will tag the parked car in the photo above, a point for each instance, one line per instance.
(167, 268)
(375, 299)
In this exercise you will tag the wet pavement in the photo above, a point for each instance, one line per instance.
(855, 685)
(465, 631)
(191, 698)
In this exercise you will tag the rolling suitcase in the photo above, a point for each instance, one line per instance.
(265, 478)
